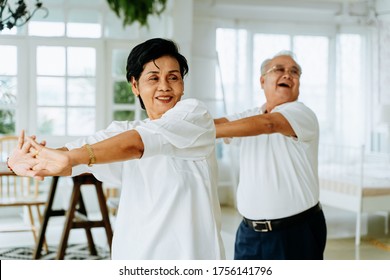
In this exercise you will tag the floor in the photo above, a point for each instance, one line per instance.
(340, 245)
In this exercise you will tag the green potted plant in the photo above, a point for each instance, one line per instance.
(131, 11)
(7, 112)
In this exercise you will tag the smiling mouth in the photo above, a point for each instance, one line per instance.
(164, 98)
(284, 85)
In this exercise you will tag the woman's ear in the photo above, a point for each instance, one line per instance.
(134, 86)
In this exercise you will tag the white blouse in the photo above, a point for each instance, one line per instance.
(169, 207)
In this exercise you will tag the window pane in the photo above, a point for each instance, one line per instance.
(47, 25)
(51, 121)
(88, 58)
(7, 121)
(7, 31)
(114, 28)
(123, 93)
(119, 60)
(81, 121)
(84, 23)
(84, 30)
(312, 55)
(350, 98)
(81, 91)
(8, 62)
(7, 104)
(124, 115)
(232, 50)
(144, 115)
(7, 91)
(50, 91)
(51, 61)
(46, 29)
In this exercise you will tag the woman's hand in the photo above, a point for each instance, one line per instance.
(49, 162)
(33, 159)
(22, 160)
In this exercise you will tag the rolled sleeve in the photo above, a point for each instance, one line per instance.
(302, 119)
(185, 131)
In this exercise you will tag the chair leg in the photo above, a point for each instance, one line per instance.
(82, 209)
(68, 222)
(104, 212)
(34, 229)
(47, 214)
(40, 219)
(32, 224)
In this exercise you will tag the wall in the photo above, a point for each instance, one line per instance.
(383, 11)
(382, 100)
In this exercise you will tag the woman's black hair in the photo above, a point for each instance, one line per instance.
(151, 50)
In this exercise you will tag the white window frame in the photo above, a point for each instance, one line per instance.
(109, 98)
(331, 31)
(98, 45)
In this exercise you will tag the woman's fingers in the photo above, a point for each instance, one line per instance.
(35, 147)
(34, 174)
(25, 148)
(29, 144)
(21, 139)
(40, 172)
(39, 178)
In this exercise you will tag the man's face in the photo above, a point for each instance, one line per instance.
(280, 81)
(160, 86)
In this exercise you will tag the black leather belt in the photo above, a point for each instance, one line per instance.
(270, 225)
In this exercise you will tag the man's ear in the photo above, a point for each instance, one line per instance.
(262, 81)
(134, 86)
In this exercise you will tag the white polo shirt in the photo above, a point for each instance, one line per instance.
(279, 174)
(169, 206)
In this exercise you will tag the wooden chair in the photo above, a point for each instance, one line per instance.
(19, 192)
(76, 215)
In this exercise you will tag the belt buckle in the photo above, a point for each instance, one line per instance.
(266, 226)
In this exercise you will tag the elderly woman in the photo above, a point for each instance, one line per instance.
(165, 164)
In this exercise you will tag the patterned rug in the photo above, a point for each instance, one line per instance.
(73, 252)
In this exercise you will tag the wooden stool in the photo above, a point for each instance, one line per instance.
(76, 215)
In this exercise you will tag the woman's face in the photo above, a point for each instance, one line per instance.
(160, 86)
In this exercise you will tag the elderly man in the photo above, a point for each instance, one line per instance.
(278, 191)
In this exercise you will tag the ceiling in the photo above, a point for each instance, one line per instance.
(298, 10)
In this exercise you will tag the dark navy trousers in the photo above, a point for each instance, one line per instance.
(305, 240)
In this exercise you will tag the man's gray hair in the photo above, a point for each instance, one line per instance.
(281, 53)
